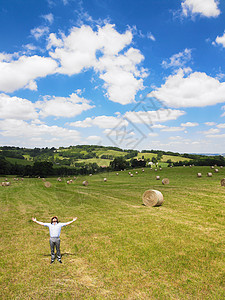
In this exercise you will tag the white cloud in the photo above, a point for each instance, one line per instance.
(206, 8)
(195, 90)
(150, 36)
(38, 32)
(222, 125)
(216, 135)
(210, 123)
(63, 106)
(94, 138)
(220, 40)
(122, 79)
(211, 131)
(21, 73)
(49, 18)
(173, 129)
(21, 131)
(153, 134)
(151, 117)
(178, 60)
(16, 108)
(189, 124)
(100, 121)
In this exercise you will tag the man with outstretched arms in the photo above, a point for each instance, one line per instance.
(54, 230)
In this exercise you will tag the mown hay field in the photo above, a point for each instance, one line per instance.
(118, 248)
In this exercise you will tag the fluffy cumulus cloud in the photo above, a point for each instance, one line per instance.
(63, 106)
(206, 8)
(20, 131)
(189, 124)
(122, 78)
(21, 73)
(220, 40)
(194, 90)
(16, 108)
(151, 117)
(100, 121)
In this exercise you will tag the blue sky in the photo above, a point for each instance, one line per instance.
(145, 74)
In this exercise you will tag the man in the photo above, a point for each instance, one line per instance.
(54, 230)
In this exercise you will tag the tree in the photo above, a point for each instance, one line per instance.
(119, 163)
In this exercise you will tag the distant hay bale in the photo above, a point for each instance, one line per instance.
(105, 179)
(222, 182)
(74, 177)
(6, 183)
(131, 175)
(165, 181)
(171, 166)
(85, 183)
(157, 177)
(160, 169)
(156, 170)
(190, 166)
(212, 167)
(184, 166)
(143, 170)
(221, 167)
(71, 181)
(47, 184)
(136, 172)
(152, 198)
(90, 174)
(43, 179)
(117, 174)
(209, 174)
(199, 175)
(59, 179)
(22, 179)
(216, 170)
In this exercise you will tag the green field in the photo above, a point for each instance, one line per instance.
(118, 248)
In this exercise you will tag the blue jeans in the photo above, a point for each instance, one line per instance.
(55, 242)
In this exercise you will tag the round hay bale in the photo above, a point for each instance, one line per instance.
(209, 174)
(160, 169)
(143, 170)
(156, 170)
(47, 184)
(105, 179)
(136, 172)
(216, 170)
(117, 174)
(85, 183)
(90, 174)
(131, 175)
(222, 182)
(199, 175)
(165, 181)
(43, 179)
(152, 198)
(157, 177)
(212, 167)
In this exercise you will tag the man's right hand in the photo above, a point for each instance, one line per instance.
(34, 219)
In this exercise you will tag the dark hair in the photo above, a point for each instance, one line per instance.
(54, 218)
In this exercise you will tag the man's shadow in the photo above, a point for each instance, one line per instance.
(62, 254)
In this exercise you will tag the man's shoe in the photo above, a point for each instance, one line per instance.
(60, 261)
(52, 261)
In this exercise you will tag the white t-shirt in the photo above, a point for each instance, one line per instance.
(55, 230)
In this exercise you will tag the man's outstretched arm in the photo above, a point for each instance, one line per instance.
(38, 222)
(74, 219)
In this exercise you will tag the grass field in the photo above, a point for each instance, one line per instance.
(118, 248)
